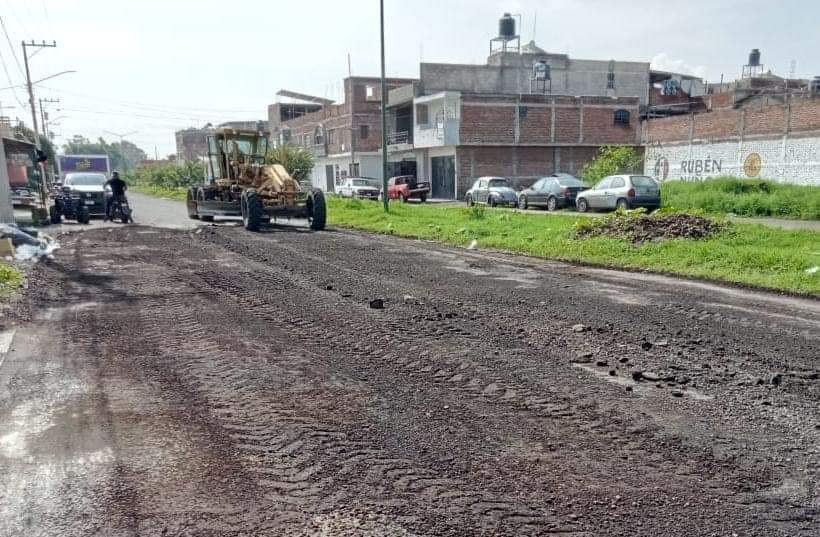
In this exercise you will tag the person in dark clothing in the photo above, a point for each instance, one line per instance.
(118, 188)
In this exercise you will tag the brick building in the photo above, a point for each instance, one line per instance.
(345, 138)
(523, 114)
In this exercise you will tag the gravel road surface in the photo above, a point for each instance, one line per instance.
(214, 382)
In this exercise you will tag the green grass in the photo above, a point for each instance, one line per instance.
(10, 279)
(176, 193)
(744, 253)
(744, 197)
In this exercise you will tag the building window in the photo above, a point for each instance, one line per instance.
(364, 132)
(422, 114)
(318, 136)
(331, 136)
(622, 117)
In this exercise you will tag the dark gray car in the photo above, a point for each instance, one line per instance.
(554, 192)
(492, 191)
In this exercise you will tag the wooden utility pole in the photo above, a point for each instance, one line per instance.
(30, 85)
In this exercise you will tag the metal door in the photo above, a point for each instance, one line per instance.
(443, 177)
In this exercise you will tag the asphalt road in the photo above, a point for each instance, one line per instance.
(213, 382)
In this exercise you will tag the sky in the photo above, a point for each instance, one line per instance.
(151, 68)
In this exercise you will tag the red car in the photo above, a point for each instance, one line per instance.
(406, 187)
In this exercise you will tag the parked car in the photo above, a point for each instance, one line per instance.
(22, 197)
(621, 192)
(405, 187)
(554, 192)
(358, 187)
(493, 191)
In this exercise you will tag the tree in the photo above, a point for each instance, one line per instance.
(612, 160)
(296, 160)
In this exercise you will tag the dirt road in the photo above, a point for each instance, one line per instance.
(213, 382)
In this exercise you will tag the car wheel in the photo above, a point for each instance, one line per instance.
(423, 198)
(552, 203)
(522, 203)
(622, 204)
(582, 205)
(492, 202)
(402, 199)
(470, 202)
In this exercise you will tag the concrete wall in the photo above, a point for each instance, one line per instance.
(791, 160)
(569, 77)
(443, 114)
(777, 141)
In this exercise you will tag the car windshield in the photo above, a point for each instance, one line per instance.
(499, 183)
(643, 181)
(85, 179)
(361, 182)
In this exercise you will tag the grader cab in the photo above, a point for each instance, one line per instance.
(240, 183)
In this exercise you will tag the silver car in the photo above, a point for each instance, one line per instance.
(620, 192)
(493, 191)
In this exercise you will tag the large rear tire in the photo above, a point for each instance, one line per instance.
(253, 210)
(317, 210)
(191, 204)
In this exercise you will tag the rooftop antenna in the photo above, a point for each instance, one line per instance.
(793, 69)
(534, 25)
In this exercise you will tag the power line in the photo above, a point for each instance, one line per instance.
(8, 39)
(8, 76)
(154, 107)
(48, 19)
(14, 14)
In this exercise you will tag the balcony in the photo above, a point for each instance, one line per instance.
(319, 150)
(400, 141)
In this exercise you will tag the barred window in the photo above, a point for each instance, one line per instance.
(622, 117)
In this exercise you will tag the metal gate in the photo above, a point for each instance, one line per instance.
(443, 177)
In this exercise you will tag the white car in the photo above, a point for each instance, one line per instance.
(620, 192)
(358, 187)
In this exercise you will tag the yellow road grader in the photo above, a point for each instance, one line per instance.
(240, 183)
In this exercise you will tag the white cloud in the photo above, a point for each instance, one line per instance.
(662, 62)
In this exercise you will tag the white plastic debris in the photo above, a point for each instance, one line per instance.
(473, 245)
(28, 251)
(812, 270)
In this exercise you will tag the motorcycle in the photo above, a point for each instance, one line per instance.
(121, 210)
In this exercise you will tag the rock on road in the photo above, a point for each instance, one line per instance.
(214, 382)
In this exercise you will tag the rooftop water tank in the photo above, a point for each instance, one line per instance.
(506, 27)
(754, 57)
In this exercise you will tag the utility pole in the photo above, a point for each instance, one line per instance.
(43, 193)
(385, 197)
(352, 121)
(44, 114)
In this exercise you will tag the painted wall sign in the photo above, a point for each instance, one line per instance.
(695, 169)
(752, 165)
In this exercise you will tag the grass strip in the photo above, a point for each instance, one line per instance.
(742, 253)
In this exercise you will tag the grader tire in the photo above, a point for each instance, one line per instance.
(317, 210)
(254, 211)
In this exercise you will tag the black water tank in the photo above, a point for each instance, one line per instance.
(506, 26)
(754, 57)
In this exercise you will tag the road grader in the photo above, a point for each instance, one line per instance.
(240, 183)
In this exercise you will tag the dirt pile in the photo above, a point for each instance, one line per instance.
(644, 227)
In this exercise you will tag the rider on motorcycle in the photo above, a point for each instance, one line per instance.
(118, 188)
